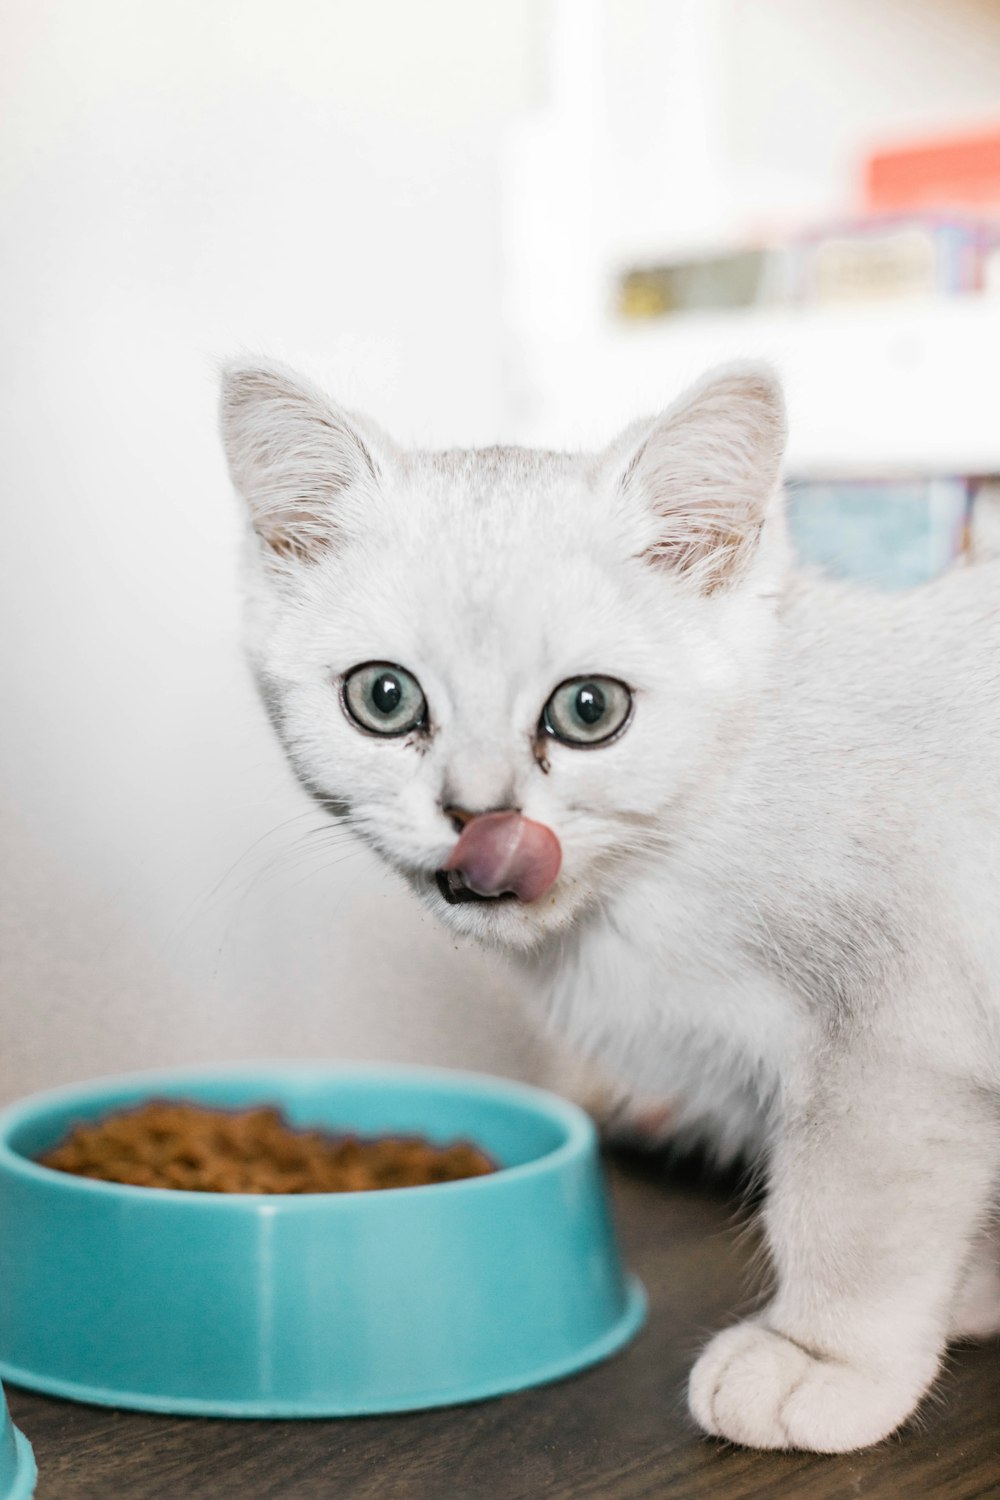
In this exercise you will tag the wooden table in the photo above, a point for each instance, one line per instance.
(618, 1432)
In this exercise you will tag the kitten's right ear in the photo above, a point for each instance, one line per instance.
(704, 473)
(294, 457)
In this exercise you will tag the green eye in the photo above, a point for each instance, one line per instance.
(587, 710)
(384, 699)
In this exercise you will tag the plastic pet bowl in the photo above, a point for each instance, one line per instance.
(17, 1462)
(309, 1305)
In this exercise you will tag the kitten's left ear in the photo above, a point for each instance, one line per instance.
(300, 462)
(705, 472)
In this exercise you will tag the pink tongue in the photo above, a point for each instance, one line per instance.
(502, 851)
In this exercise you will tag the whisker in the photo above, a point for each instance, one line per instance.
(332, 864)
(234, 882)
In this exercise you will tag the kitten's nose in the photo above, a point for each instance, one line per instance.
(501, 852)
(460, 817)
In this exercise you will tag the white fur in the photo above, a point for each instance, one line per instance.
(778, 901)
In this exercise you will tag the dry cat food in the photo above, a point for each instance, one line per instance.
(165, 1144)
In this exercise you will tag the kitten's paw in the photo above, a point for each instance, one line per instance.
(757, 1388)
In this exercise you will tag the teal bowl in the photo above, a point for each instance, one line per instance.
(312, 1305)
(17, 1462)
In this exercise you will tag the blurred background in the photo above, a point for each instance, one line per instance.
(499, 220)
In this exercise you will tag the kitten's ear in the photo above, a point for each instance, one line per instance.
(294, 457)
(705, 472)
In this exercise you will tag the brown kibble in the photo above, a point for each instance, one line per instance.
(198, 1149)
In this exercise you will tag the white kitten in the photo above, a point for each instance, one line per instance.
(750, 821)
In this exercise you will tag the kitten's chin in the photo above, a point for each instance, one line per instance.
(499, 923)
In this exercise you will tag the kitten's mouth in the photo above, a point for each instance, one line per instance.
(454, 889)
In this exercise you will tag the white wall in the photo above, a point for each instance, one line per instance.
(318, 180)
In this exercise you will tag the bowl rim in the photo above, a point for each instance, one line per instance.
(579, 1132)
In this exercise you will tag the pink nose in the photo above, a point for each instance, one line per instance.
(503, 851)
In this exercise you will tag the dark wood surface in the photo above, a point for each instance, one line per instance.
(617, 1432)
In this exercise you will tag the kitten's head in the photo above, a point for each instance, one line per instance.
(570, 643)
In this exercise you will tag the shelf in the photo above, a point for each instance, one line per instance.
(872, 391)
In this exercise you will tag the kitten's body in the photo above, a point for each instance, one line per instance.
(778, 897)
(847, 867)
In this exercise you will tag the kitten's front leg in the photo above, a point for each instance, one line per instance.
(880, 1179)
